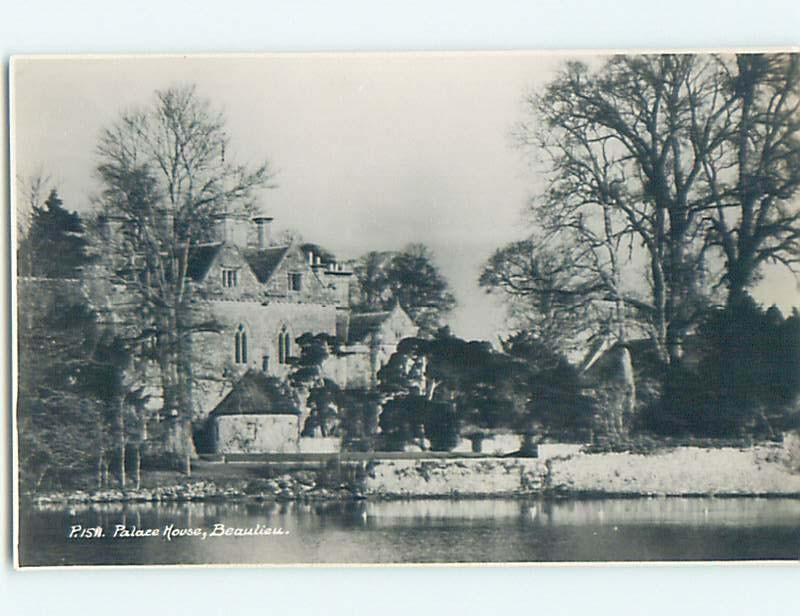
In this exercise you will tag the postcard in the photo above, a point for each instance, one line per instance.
(406, 308)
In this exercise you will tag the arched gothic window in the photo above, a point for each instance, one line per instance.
(240, 346)
(284, 346)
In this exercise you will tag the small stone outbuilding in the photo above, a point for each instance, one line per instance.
(257, 416)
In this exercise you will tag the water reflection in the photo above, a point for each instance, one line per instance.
(490, 530)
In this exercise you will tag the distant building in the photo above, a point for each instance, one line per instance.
(372, 339)
(263, 297)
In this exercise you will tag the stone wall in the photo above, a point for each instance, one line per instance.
(791, 447)
(682, 471)
(268, 434)
(247, 288)
(500, 444)
(256, 434)
(313, 288)
(456, 477)
(353, 370)
(330, 444)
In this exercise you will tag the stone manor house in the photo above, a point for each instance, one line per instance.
(264, 296)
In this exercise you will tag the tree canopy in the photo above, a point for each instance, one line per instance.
(53, 230)
(441, 387)
(746, 381)
(549, 293)
(71, 385)
(409, 277)
(685, 163)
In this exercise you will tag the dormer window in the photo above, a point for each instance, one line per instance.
(295, 282)
(230, 278)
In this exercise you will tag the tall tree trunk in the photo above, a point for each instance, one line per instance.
(628, 383)
(184, 382)
(137, 466)
(660, 313)
(121, 442)
(100, 470)
(175, 368)
(738, 280)
(675, 335)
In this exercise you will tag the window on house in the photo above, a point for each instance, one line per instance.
(295, 282)
(284, 347)
(230, 278)
(240, 346)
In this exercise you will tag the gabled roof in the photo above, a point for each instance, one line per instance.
(364, 324)
(256, 394)
(265, 262)
(200, 260)
(597, 350)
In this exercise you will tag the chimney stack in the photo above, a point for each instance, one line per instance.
(230, 228)
(263, 230)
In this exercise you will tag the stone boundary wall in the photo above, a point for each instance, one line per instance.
(761, 470)
(683, 471)
(319, 444)
(456, 477)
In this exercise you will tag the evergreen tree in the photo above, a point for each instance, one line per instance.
(747, 379)
(439, 387)
(71, 389)
(55, 245)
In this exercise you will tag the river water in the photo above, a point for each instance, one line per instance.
(418, 531)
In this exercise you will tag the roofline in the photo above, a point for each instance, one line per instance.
(335, 273)
(372, 314)
(295, 413)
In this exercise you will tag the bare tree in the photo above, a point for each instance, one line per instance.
(691, 162)
(165, 176)
(567, 288)
(753, 176)
(550, 290)
(632, 139)
(32, 191)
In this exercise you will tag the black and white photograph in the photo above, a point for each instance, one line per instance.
(406, 308)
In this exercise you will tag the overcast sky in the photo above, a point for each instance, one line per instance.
(371, 152)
